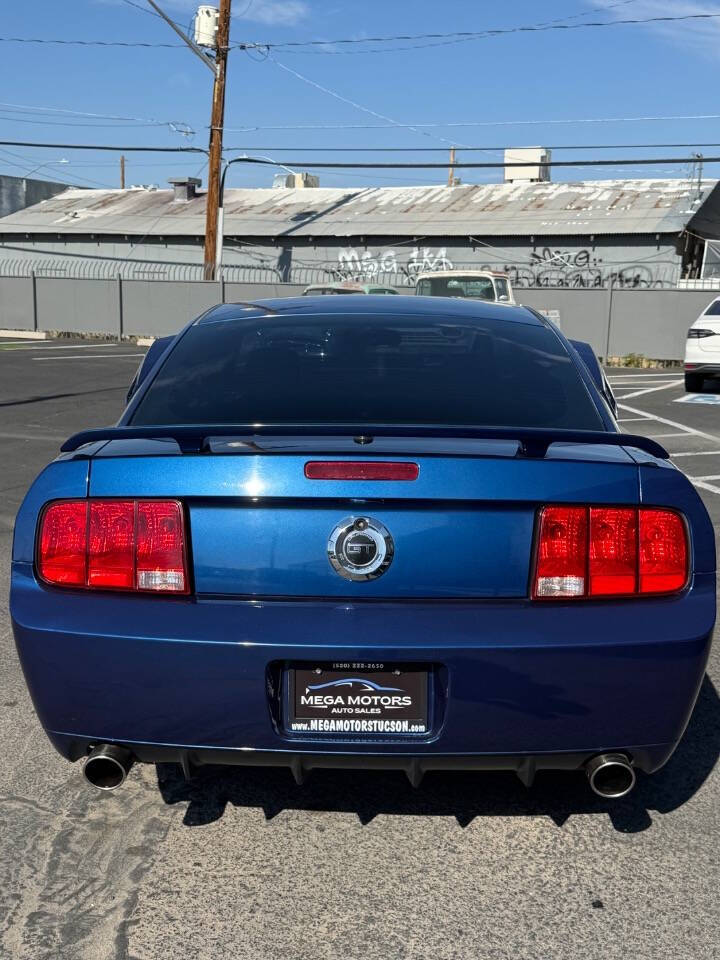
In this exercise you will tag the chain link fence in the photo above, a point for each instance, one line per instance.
(632, 276)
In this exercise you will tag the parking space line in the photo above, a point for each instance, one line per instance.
(671, 423)
(91, 356)
(39, 437)
(702, 483)
(704, 486)
(664, 436)
(639, 393)
(696, 453)
(632, 419)
(620, 384)
(57, 346)
(640, 376)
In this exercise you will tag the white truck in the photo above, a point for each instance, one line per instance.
(473, 284)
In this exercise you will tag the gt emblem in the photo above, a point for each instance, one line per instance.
(360, 548)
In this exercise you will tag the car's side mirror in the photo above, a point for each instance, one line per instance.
(503, 298)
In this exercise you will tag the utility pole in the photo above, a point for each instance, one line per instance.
(217, 121)
(122, 172)
(218, 65)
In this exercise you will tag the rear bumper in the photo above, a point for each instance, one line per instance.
(648, 757)
(192, 680)
(707, 369)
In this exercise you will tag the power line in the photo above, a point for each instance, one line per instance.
(415, 165)
(455, 37)
(559, 20)
(546, 23)
(178, 126)
(99, 146)
(462, 35)
(141, 8)
(352, 103)
(93, 43)
(42, 108)
(644, 161)
(190, 161)
(471, 123)
(43, 121)
(488, 149)
(536, 26)
(29, 163)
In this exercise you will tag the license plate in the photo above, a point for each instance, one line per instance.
(358, 700)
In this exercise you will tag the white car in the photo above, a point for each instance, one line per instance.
(702, 351)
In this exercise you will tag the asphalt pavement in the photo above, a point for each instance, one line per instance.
(245, 864)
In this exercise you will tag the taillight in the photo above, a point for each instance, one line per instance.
(62, 547)
(160, 547)
(663, 552)
(562, 553)
(609, 552)
(613, 551)
(111, 545)
(114, 545)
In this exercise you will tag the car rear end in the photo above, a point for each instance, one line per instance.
(702, 350)
(405, 587)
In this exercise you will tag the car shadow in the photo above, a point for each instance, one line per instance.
(45, 397)
(464, 795)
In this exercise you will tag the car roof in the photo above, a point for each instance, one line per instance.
(461, 273)
(348, 285)
(398, 305)
(337, 285)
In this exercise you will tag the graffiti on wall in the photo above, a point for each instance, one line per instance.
(545, 267)
(581, 268)
(404, 266)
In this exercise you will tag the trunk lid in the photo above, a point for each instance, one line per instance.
(463, 529)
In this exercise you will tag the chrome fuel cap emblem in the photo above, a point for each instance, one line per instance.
(360, 548)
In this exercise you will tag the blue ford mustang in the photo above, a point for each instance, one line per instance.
(365, 532)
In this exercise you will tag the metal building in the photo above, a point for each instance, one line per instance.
(633, 233)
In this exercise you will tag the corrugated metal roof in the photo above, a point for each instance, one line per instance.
(506, 209)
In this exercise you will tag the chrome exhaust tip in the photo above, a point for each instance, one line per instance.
(610, 775)
(107, 766)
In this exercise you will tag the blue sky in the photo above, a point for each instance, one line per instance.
(565, 75)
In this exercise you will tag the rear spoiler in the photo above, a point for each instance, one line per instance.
(534, 441)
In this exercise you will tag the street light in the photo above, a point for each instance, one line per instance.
(46, 164)
(221, 205)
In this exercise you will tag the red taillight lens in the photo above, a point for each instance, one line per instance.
(663, 552)
(160, 547)
(111, 548)
(114, 544)
(62, 547)
(562, 552)
(610, 552)
(367, 470)
(613, 551)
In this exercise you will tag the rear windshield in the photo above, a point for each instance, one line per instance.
(713, 309)
(365, 369)
(474, 288)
